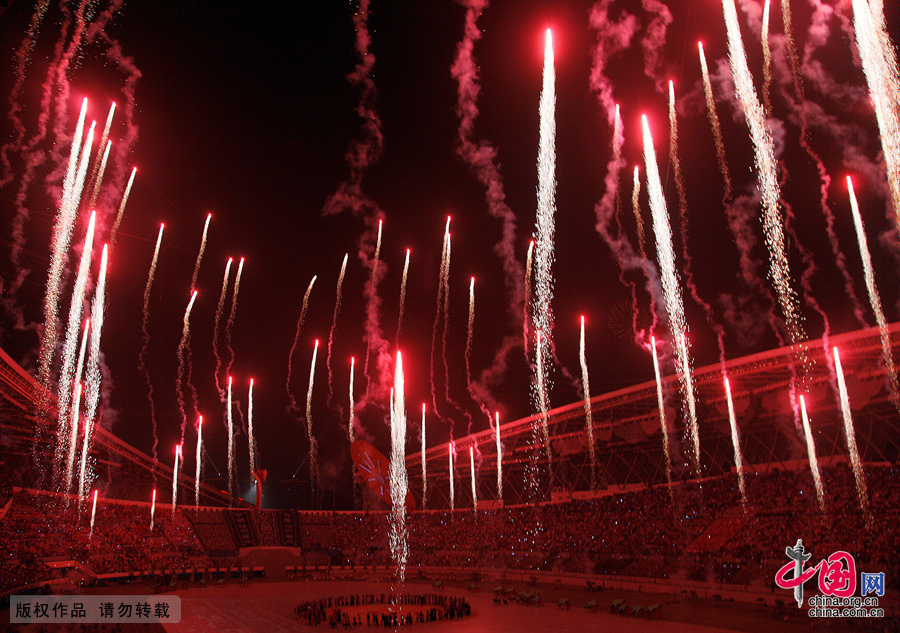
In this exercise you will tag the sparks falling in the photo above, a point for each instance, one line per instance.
(402, 297)
(472, 468)
(71, 342)
(200, 252)
(230, 421)
(850, 434)
(175, 472)
(767, 58)
(736, 442)
(231, 314)
(75, 411)
(716, 126)
(874, 296)
(97, 178)
(545, 228)
(300, 322)
(660, 405)
(93, 373)
(313, 445)
(199, 461)
(671, 289)
(334, 321)
(766, 165)
(526, 339)
(879, 62)
(588, 413)
(811, 452)
(145, 335)
(499, 456)
(397, 474)
(182, 361)
(440, 310)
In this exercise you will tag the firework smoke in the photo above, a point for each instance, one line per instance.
(874, 296)
(879, 62)
(71, 342)
(145, 334)
(588, 413)
(334, 321)
(397, 474)
(94, 377)
(736, 442)
(200, 252)
(402, 297)
(220, 308)
(850, 434)
(660, 403)
(199, 461)
(313, 445)
(287, 383)
(811, 452)
(183, 346)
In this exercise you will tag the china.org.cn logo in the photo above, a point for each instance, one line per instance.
(837, 584)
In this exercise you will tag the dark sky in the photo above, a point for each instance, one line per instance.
(244, 110)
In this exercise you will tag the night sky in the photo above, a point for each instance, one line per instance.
(245, 111)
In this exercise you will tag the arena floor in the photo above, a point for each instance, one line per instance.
(267, 607)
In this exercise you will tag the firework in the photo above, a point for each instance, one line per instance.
(440, 310)
(152, 509)
(850, 434)
(402, 296)
(251, 440)
(200, 252)
(220, 309)
(352, 403)
(71, 342)
(175, 472)
(499, 456)
(529, 263)
(472, 468)
(300, 321)
(397, 474)
(182, 361)
(424, 469)
(93, 514)
(313, 445)
(671, 290)
(660, 404)
(545, 227)
(451, 448)
(334, 321)
(588, 413)
(373, 283)
(811, 452)
(121, 213)
(97, 178)
(231, 314)
(767, 57)
(145, 333)
(736, 442)
(874, 296)
(75, 412)
(199, 461)
(230, 420)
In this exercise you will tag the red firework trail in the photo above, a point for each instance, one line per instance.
(334, 321)
(687, 268)
(230, 326)
(294, 407)
(220, 309)
(182, 354)
(145, 333)
(200, 252)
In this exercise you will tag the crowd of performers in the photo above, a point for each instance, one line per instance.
(382, 610)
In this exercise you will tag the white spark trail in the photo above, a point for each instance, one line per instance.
(199, 461)
(230, 420)
(660, 403)
(474, 491)
(671, 288)
(874, 296)
(352, 413)
(424, 470)
(736, 442)
(850, 433)
(402, 296)
(397, 474)
(200, 252)
(93, 515)
(94, 376)
(811, 452)
(588, 413)
(152, 509)
(450, 450)
(75, 411)
(251, 438)
(499, 456)
(121, 213)
(334, 321)
(313, 445)
(175, 472)
(98, 174)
